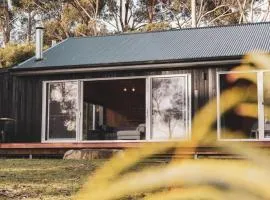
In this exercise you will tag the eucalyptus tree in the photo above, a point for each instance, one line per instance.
(6, 20)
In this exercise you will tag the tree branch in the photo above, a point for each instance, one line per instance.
(211, 11)
(220, 16)
(84, 10)
(200, 11)
(243, 16)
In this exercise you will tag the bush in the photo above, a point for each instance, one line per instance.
(156, 27)
(13, 54)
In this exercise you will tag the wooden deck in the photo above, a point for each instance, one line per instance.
(56, 148)
(30, 149)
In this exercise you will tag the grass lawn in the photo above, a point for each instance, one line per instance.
(43, 178)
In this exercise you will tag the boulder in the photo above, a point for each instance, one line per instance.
(91, 154)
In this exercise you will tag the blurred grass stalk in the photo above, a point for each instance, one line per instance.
(193, 179)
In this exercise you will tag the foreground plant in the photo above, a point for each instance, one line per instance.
(186, 178)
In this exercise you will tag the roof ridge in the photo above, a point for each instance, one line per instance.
(173, 30)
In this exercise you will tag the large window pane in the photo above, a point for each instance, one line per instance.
(169, 108)
(62, 108)
(232, 121)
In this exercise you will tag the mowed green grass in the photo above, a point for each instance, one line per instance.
(43, 178)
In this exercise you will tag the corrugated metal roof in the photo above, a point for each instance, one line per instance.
(181, 45)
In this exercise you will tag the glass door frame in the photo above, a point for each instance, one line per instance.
(45, 116)
(188, 97)
(260, 96)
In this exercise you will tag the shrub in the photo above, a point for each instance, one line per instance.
(13, 54)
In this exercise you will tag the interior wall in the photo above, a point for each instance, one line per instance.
(123, 107)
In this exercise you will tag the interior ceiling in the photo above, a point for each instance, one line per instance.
(109, 92)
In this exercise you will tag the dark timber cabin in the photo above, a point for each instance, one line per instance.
(122, 90)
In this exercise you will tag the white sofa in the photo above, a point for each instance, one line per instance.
(131, 134)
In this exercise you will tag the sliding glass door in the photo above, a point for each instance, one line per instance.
(170, 113)
(241, 126)
(117, 109)
(62, 110)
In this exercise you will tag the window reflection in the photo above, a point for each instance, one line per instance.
(169, 108)
(62, 107)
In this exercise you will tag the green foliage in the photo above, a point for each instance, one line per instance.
(74, 18)
(13, 54)
(156, 27)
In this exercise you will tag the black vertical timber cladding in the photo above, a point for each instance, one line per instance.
(27, 101)
(27, 95)
(5, 94)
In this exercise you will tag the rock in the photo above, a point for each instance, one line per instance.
(91, 154)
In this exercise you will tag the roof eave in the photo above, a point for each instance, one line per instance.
(217, 61)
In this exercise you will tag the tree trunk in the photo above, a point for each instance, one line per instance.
(193, 13)
(121, 15)
(6, 27)
(151, 11)
(251, 10)
(29, 27)
(6, 37)
(126, 14)
(96, 15)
